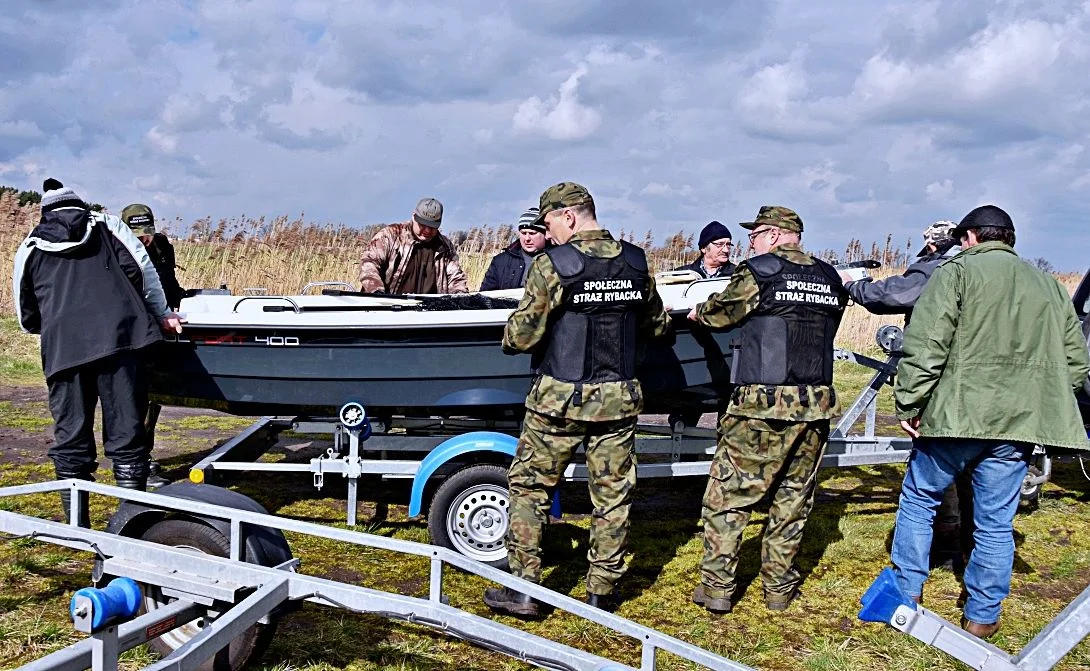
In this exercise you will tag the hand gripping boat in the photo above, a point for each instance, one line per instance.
(416, 356)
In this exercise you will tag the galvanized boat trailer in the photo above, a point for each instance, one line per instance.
(207, 611)
(885, 602)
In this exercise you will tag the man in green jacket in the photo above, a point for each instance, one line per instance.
(991, 361)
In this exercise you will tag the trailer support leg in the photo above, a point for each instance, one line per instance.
(104, 649)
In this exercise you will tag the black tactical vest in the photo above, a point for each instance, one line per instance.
(592, 337)
(788, 339)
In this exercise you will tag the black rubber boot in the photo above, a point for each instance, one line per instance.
(155, 478)
(66, 499)
(132, 476)
(507, 600)
(607, 602)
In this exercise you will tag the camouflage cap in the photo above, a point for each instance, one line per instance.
(940, 234)
(775, 215)
(559, 196)
(139, 218)
(428, 212)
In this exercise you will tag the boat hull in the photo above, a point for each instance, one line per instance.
(411, 372)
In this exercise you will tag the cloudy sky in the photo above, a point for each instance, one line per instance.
(866, 117)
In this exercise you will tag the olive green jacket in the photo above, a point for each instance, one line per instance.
(994, 351)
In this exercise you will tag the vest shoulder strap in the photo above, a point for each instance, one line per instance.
(634, 256)
(829, 271)
(765, 265)
(567, 260)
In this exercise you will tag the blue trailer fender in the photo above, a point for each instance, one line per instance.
(467, 443)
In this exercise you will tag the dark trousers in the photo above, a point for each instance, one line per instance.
(119, 381)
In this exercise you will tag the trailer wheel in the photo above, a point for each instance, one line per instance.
(197, 537)
(1031, 492)
(470, 514)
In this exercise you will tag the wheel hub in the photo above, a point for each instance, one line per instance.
(477, 522)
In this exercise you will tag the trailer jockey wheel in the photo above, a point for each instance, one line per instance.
(1031, 491)
(890, 338)
(196, 537)
(470, 514)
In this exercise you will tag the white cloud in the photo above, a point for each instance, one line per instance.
(940, 191)
(660, 189)
(562, 117)
(20, 129)
(160, 141)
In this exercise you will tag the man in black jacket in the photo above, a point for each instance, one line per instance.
(141, 221)
(509, 268)
(84, 282)
(714, 245)
(897, 295)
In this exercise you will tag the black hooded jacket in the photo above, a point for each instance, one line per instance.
(85, 288)
(162, 257)
(507, 269)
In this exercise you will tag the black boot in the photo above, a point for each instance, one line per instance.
(607, 602)
(155, 477)
(507, 600)
(66, 498)
(132, 476)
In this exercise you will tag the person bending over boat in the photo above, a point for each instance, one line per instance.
(589, 301)
(141, 221)
(85, 283)
(413, 257)
(773, 433)
(714, 245)
(509, 268)
(953, 539)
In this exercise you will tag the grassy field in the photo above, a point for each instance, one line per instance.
(846, 545)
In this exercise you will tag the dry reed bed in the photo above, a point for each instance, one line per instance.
(284, 254)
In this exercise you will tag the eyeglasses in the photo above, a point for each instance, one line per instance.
(755, 234)
(723, 244)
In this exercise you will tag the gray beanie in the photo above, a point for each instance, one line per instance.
(57, 195)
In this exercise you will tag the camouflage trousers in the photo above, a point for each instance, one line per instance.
(755, 458)
(545, 448)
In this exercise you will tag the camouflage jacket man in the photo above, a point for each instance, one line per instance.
(528, 329)
(730, 308)
(383, 265)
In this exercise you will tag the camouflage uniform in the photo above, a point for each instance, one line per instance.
(557, 423)
(771, 440)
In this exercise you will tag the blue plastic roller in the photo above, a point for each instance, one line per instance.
(119, 600)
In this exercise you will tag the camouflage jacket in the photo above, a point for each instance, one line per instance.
(528, 329)
(730, 308)
(384, 261)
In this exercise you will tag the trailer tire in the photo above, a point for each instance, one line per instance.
(193, 535)
(469, 514)
(1031, 493)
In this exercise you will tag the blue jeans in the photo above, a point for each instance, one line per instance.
(998, 469)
